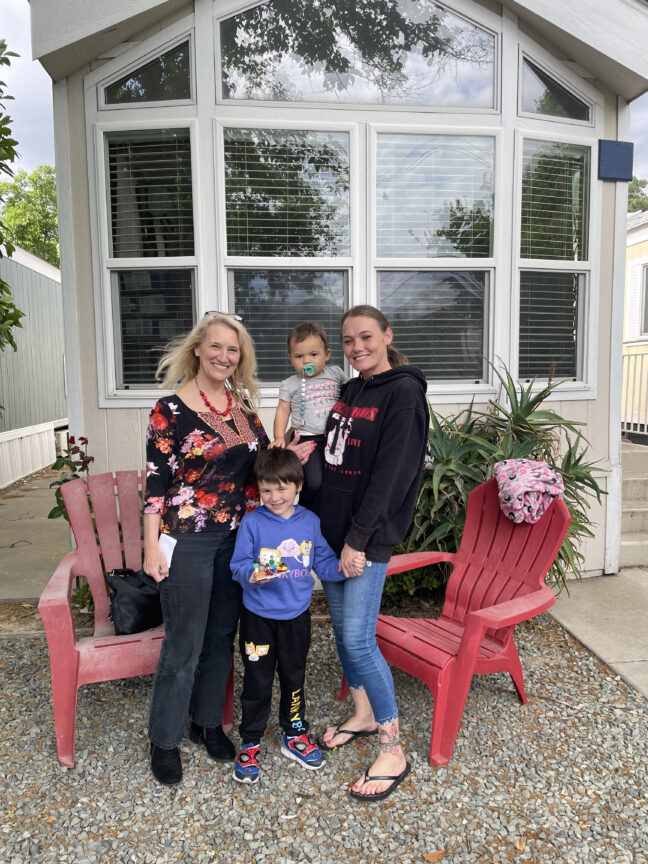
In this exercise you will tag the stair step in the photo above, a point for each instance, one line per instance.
(634, 460)
(634, 518)
(634, 553)
(635, 488)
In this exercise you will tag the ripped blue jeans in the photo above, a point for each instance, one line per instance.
(354, 605)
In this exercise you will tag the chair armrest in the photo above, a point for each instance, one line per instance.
(513, 611)
(54, 605)
(412, 560)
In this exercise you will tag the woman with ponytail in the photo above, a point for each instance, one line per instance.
(376, 437)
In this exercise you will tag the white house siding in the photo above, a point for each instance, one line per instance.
(116, 434)
(32, 379)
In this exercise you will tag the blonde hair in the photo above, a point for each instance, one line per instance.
(394, 356)
(179, 363)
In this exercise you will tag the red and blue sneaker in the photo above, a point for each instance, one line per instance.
(300, 748)
(246, 768)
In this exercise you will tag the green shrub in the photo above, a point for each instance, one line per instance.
(462, 451)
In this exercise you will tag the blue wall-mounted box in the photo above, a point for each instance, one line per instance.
(615, 160)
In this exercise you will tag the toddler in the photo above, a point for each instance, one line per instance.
(306, 399)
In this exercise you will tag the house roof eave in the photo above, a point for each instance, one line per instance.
(595, 34)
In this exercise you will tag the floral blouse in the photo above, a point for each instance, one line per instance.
(200, 468)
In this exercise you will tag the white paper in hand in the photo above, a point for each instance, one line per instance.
(167, 545)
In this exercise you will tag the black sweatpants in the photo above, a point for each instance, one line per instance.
(267, 644)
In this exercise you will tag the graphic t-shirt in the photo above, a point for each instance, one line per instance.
(311, 399)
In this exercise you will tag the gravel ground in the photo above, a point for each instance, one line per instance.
(562, 779)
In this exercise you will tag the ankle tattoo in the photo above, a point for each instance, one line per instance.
(390, 740)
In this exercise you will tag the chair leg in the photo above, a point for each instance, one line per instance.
(514, 668)
(228, 708)
(64, 700)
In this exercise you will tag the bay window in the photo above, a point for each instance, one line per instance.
(311, 157)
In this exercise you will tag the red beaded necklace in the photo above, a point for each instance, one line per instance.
(228, 395)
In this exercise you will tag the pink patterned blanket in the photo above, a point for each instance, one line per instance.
(526, 488)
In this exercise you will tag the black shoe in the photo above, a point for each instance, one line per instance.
(215, 740)
(166, 765)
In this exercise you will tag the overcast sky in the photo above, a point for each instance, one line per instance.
(31, 109)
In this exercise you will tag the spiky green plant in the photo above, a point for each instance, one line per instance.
(462, 451)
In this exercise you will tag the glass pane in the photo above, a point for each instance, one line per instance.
(152, 307)
(555, 200)
(287, 193)
(375, 52)
(434, 196)
(549, 324)
(439, 320)
(163, 79)
(149, 190)
(272, 302)
(541, 94)
(644, 274)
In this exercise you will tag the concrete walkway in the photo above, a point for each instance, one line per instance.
(607, 614)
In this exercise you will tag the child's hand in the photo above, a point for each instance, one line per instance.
(261, 575)
(278, 442)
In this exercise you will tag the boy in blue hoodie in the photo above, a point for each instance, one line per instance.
(277, 546)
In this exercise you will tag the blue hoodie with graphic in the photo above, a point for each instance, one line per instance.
(299, 541)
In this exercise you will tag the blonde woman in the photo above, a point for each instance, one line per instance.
(201, 445)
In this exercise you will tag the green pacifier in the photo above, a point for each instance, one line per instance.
(309, 369)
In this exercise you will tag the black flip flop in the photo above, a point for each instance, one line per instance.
(380, 796)
(339, 731)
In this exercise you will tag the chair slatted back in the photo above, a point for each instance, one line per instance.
(116, 503)
(498, 559)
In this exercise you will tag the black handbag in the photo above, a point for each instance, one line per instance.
(134, 601)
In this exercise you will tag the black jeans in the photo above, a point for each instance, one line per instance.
(201, 604)
(266, 644)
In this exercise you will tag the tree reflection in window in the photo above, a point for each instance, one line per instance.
(390, 52)
(165, 78)
(286, 192)
(434, 195)
(555, 200)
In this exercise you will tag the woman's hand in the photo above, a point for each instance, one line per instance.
(352, 562)
(302, 450)
(155, 563)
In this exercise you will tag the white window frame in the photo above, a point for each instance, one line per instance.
(550, 66)
(207, 114)
(470, 11)
(586, 386)
(186, 35)
(643, 330)
(441, 392)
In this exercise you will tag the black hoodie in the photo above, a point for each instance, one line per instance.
(376, 438)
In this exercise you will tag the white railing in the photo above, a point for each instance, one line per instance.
(634, 396)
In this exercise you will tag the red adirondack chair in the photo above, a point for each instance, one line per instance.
(497, 581)
(117, 508)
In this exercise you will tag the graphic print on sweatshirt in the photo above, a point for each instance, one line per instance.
(338, 437)
(289, 548)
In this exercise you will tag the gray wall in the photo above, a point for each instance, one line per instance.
(32, 384)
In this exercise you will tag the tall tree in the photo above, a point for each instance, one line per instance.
(10, 315)
(637, 195)
(29, 212)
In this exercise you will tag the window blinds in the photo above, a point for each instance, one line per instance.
(439, 320)
(153, 307)
(555, 200)
(287, 192)
(272, 302)
(150, 197)
(434, 196)
(549, 309)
